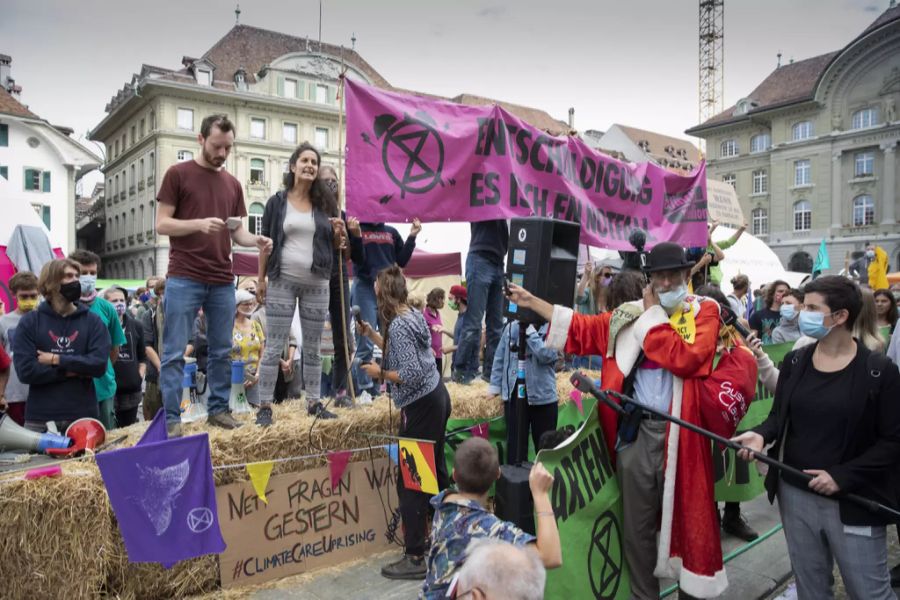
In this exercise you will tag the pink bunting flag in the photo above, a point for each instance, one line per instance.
(337, 463)
(480, 430)
(575, 395)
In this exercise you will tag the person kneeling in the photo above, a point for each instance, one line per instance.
(460, 516)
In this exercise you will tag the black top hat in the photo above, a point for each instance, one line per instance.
(667, 256)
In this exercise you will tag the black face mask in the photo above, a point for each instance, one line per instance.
(71, 291)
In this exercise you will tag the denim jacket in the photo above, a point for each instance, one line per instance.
(540, 371)
(273, 227)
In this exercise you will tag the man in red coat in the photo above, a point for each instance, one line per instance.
(665, 473)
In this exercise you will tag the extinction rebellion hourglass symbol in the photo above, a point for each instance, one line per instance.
(412, 152)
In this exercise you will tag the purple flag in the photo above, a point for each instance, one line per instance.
(164, 499)
(156, 432)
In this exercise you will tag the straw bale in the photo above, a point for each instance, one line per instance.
(59, 536)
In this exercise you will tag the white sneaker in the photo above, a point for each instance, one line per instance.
(364, 398)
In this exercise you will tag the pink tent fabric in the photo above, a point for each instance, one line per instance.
(422, 264)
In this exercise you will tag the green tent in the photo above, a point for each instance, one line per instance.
(128, 284)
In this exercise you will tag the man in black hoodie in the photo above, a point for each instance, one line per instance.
(59, 349)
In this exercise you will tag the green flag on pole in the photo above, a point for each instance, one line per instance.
(822, 261)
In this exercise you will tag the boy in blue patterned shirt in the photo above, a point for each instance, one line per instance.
(460, 516)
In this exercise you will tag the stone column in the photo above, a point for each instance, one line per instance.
(836, 187)
(889, 185)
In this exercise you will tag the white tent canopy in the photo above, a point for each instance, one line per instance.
(17, 211)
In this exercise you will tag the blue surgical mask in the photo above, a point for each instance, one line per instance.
(88, 284)
(870, 254)
(673, 297)
(788, 312)
(120, 307)
(812, 323)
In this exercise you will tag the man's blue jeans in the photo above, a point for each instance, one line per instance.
(363, 296)
(484, 291)
(182, 300)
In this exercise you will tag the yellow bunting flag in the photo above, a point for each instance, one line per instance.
(417, 466)
(259, 477)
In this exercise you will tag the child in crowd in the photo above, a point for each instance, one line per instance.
(460, 516)
(24, 286)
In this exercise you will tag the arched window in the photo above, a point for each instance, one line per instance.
(760, 143)
(141, 274)
(802, 215)
(802, 131)
(863, 211)
(728, 148)
(867, 117)
(256, 213)
(759, 221)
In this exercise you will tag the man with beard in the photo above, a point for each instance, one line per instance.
(196, 199)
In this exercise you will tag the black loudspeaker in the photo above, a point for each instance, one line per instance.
(512, 499)
(543, 259)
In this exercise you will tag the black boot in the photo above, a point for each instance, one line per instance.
(733, 523)
(408, 567)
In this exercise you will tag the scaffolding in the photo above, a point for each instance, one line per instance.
(712, 58)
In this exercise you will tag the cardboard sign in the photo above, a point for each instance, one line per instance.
(306, 525)
(722, 204)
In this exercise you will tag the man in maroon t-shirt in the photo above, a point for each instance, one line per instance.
(196, 200)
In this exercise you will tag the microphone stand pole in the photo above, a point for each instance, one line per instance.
(585, 385)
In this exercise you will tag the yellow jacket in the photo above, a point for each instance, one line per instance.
(878, 269)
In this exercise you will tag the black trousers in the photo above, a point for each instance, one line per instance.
(424, 419)
(342, 342)
(439, 361)
(126, 416)
(540, 419)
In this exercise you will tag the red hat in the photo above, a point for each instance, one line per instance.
(460, 292)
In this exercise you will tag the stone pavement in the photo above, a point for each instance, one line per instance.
(756, 573)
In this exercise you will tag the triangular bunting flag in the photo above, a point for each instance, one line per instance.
(337, 463)
(393, 452)
(480, 430)
(417, 466)
(259, 476)
(575, 395)
(156, 432)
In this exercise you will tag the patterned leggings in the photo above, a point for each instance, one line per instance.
(281, 298)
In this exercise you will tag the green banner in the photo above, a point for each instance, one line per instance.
(588, 510)
(738, 480)
(458, 432)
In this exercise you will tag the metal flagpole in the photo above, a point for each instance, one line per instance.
(346, 341)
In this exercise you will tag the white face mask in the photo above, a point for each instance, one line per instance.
(673, 297)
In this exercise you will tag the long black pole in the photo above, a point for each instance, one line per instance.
(585, 385)
(517, 434)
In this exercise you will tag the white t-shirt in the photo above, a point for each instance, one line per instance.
(297, 252)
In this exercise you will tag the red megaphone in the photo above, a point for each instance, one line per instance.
(86, 434)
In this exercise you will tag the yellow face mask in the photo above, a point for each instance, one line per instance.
(28, 305)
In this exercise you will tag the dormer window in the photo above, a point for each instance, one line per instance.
(204, 77)
(240, 79)
(744, 106)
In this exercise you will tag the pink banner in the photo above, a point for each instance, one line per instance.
(410, 157)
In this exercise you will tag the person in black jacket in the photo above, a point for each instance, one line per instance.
(836, 417)
(59, 349)
(131, 367)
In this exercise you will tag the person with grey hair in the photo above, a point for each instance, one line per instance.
(496, 569)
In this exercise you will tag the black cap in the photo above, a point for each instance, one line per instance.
(667, 256)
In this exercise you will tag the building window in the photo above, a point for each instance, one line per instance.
(4, 135)
(802, 173)
(864, 164)
(867, 117)
(322, 94)
(289, 133)
(143, 129)
(184, 155)
(730, 179)
(290, 88)
(152, 169)
(204, 77)
(257, 170)
(802, 216)
(759, 218)
(116, 148)
(321, 138)
(133, 134)
(116, 188)
(152, 121)
(143, 226)
(802, 131)
(257, 128)
(36, 180)
(4, 172)
(131, 179)
(141, 171)
(45, 215)
(255, 218)
(760, 182)
(760, 143)
(728, 148)
(185, 118)
(863, 211)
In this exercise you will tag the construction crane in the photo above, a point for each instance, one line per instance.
(712, 58)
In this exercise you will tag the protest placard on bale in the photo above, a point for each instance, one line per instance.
(588, 509)
(738, 480)
(306, 524)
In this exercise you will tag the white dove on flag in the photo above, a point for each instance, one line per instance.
(161, 487)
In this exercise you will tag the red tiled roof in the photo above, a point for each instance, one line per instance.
(11, 106)
(793, 82)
